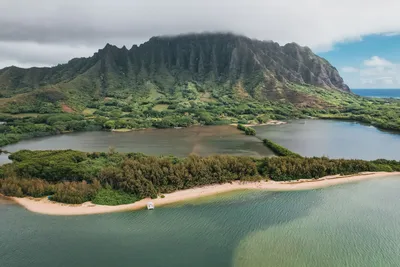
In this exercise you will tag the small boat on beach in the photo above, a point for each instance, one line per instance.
(150, 206)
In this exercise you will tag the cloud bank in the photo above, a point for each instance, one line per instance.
(47, 32)
(377, 72)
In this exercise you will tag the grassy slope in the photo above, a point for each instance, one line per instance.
(294, 101)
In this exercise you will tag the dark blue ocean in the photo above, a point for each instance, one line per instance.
(381, 93)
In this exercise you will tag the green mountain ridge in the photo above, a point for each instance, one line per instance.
(218, 64)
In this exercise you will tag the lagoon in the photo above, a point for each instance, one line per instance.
(334, 139)
(199, 140)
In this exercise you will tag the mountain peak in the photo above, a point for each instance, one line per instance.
(233, 62)
(110, 47)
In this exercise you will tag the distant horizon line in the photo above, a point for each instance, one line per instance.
(375, 88)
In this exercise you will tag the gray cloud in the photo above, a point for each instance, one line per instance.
(40, 54)
(47, 32)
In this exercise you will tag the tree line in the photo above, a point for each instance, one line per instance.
(113, 178)
(280, 150)
(246, 130)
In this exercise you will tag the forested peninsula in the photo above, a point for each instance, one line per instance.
(113, 178)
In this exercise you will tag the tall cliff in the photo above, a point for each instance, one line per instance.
(226, 63)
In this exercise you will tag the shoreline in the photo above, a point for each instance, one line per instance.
(126, 130)
(270, 122)
(45, 206)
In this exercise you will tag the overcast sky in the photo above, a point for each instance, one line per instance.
(47, 32)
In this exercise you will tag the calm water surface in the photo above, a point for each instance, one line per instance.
(308, 137)
(347, 225)
(334, 139)
(179, 142)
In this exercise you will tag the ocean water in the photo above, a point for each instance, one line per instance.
(380, 93)
(347, 225)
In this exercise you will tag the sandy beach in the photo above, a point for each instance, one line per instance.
(271, 122)
(45, 206)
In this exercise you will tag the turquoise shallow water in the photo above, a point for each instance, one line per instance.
(346, 225)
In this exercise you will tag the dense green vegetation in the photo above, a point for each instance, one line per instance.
(279, 150)
(246, 130)
(75, 192)
(15, 129)
(108, 196)
(116, 178)
(382, 113)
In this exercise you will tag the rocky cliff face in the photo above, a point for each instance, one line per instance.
(209, 60)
